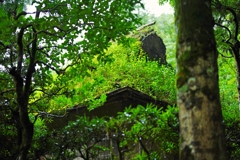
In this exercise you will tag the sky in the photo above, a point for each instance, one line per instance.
(153, 7)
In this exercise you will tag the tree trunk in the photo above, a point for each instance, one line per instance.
(27, 134)
(25, 128)
(120, 151)
(200, 115)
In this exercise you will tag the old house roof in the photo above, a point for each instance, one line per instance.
(116, 101)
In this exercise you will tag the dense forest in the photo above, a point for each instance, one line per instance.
(88, 59)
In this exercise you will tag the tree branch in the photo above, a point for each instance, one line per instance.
(2, 44)
(235, 21)
(143, 146)
(59, 72)
(20, 50)
(50, 67)
(146, 25)
(6, 91)
(51, 115)
(20, 47)
(49, 33)
(56, 33)
(228, 30)
(32, 64)
(225, 56)
(23, 13)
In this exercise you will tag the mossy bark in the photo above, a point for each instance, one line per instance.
(201, 128)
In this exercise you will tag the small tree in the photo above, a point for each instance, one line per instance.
(227, 20)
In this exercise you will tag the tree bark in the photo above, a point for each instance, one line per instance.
(27, 134)
(25, 128)
(200, 115)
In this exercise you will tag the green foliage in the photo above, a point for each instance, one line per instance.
(8, 142)
(152, 130)
(77, 60)
(130, 68)
(171, 2)
(57, 44)
(122, 66)
(228, 85)
(41, 143)
(227, 33)
(82, 136)
(230, 108)
(43, 49)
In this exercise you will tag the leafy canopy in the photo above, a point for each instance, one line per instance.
(55, 36)
(60, 37)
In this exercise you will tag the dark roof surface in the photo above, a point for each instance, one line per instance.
(128, 92)
(116, 102)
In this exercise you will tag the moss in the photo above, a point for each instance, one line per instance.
(181, 81)
(189, 55)
(182, 76)
(191, 80)
(141, 34)
(184, 88)
(210, 71)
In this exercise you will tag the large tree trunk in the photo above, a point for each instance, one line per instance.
(27, 134)
(23, 89)
(25, 126)
(201, 128)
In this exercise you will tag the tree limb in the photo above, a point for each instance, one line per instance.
(51, 115)
(49, 33)
(50, 67)
(23, 13)
(228, 30)
(6, 91)
(235, 21)
(146, 25)
(2, 44)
